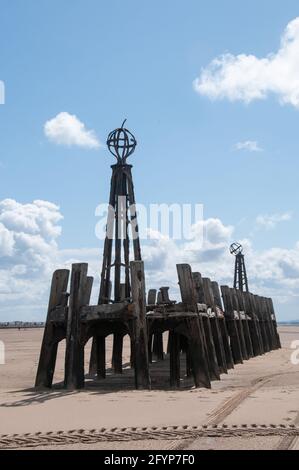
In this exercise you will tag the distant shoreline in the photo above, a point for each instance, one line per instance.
(20, 325)
(35, 325)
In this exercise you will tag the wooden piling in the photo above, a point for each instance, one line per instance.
(239, 322)
(175, 374)
(98, 365)
(141, 362)
(151, 299)
(193, 327)
(48, 354)
(245, 322)
(253, 325)
(158, 347)
(222, 323)
(273, 317)
(260, 313)
(74, 356)
(232, 327)
(215, 326)
(207, 330)
(254, 308)
(117, 353)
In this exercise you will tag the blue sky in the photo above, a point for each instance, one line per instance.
(104, 61)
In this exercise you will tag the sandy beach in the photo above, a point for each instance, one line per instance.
(255, 406)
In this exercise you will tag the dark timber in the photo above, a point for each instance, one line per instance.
(240, 277)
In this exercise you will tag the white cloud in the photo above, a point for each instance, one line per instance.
(277, 270)
(6, 241)
(249, 145)
(273, 272)
(209, 256)
(247, 78)
(29, 253)
(67, 129)
(271, 221)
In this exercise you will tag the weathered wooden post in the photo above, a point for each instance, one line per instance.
(253, 325)
(269, 324)
(254, 308)
(222, 322)
(97, 364)
(215, 327)
(117, 353)
(151, 299)
(245, 322)
(141, 363)
(74, 355)
(273, 317)
(272, 329)
(175, 362)
(48, 354)
(206, 328)
(240, 324)
(195, 334)
(158, 346)
(151, 302)
(260, 314)
(232, 325)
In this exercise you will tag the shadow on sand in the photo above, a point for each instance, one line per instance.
(114, 383)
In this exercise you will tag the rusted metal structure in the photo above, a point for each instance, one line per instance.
(122, 219)
(240, 277)
(121, 216)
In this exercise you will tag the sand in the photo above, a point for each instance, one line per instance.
(262, 391)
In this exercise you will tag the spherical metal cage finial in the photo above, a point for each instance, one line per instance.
(236, 249)
(121, 143)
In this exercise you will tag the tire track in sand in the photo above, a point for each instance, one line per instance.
(218, 416)
(289, 442)
(178, 434)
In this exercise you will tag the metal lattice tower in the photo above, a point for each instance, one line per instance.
(121, 214)
(240, 277)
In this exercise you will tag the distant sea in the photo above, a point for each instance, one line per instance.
(289, 323)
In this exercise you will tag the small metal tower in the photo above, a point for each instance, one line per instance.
(240, 278)
(121, 214)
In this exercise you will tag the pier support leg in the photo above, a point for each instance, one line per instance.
(47, 360)
(142, 376)
(158, 346)
(117, 353)
(175, 355)
(74, 356)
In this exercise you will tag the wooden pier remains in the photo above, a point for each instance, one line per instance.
(211, 328)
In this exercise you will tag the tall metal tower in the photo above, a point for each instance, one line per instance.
(240, 278)
(120, 229)
(121, 214)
